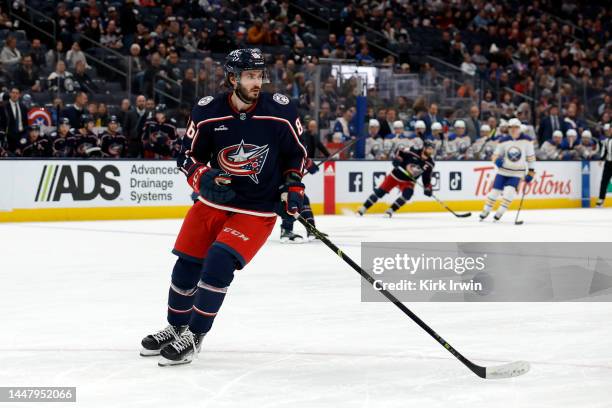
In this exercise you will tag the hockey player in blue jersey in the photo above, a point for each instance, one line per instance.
(514, 155)
(241, 153)
(408, 166)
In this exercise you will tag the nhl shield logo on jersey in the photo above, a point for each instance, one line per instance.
(280, 98)
(514, 154)
(243, 160)
(205, 100)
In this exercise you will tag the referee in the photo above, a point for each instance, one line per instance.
(606, 155)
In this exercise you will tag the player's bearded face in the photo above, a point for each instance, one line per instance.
(250, 85)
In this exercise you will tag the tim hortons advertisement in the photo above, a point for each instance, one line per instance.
(458, 181)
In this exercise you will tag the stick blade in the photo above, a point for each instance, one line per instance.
(464, 215)
(518, 223)
(509, 370)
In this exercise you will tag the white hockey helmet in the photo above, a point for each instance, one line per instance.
(374, 123)
(514, 122)
(485, 128)
(398, 124)
(436, 126)
(587, 133)
(571, 132)
(503, 123)
(557, 133)
(419, 125)
(460, 124)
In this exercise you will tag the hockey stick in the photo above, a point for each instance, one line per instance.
(341, 150)
(516, 221)
(508, 370)
(442, 203)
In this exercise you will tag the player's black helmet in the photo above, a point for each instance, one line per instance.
(245, 59)
(429, 143)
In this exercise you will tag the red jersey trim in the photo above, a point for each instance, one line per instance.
(236, 210)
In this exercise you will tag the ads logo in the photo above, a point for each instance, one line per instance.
(435, 180)
(377, 178)
(454, 181)
(87, 184)
(355, 182)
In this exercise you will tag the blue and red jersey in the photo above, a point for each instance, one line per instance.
(257, 148)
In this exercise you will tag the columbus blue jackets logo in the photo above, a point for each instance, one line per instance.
(514, 154)
(243, 160)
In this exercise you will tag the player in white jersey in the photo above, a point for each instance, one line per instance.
(513, 156)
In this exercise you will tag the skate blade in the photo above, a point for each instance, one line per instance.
(164, 362)
(295, 241)
(149, 353)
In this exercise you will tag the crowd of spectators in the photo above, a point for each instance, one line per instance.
(524, 60)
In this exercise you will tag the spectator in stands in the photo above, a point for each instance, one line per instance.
(82, 80)
(384, 126)
(60, 80)
(92, 32)
(75, 55)
(112, 37)
(472, 123)
(56, 54)
(343, 129)
(151, 73)
(220, 42)
(10, 55)
(76, 110)
(572, 120)
(549, 124)
(329, 46)
(312, 140)
(188, 86)
(37, 53)
(364, 56)
(26, 75)
(258, 33)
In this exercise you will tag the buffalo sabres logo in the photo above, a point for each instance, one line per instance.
(280, 98)
(243, 160)
(514, 154)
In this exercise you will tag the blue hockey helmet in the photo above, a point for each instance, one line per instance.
(245, 59)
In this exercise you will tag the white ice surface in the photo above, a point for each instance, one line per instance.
(76, 298)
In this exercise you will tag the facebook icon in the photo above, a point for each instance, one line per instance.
(355, 182)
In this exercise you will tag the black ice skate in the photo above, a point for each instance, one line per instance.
(497, 217)
(389, 212)
(288, 237)
(483, 215)
(599, 203)
(153, 343)
(181, 351)
(361, 210)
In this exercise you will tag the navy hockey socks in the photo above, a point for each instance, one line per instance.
(378, 192)
(217, 275)
(401, 200)
(185, 276)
